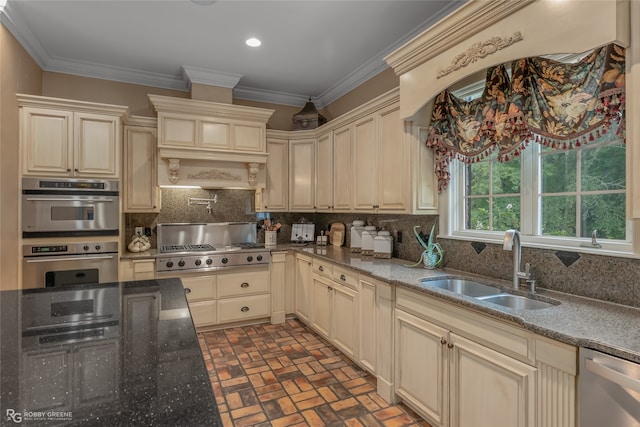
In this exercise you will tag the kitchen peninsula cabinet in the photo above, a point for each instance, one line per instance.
(141, 190)
(68, 138)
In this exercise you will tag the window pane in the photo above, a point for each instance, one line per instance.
(478, 178)
(605, 213)
(559, 172)
(603, 168)
(506, 177)
(559, 216)
(506, 213)
(478, 214)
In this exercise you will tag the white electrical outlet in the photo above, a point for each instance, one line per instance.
(139, 231)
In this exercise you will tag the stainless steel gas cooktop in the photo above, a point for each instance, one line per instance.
(208, 246)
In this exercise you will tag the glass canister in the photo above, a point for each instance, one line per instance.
(368, 234)
(357, 228)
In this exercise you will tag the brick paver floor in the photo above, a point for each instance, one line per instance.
(287, 375)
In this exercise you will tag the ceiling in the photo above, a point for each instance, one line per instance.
(317, 49)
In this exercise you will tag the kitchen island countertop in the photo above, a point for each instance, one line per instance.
(148, 369)
(579, 321)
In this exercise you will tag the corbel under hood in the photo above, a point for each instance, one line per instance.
(210, 144)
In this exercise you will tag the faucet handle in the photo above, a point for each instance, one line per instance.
(527, 268)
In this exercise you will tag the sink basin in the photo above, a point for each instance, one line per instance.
(462, 286)
(516, 302)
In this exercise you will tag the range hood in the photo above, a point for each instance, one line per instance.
(210, 144)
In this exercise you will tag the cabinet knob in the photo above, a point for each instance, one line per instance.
(450, 345)
(244, 309)
(187, 291)
(244, 285)
(76, 170)
(265, 206)
(343, 277)
(321, 268)
(443, 341)
(68, 170)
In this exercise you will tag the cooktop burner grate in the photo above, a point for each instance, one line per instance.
(202, 247)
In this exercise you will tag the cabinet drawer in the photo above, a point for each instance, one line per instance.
(322, 268)
(233, 309)
(246, 283)
(203, 312)
(346, 277)
(202, 288)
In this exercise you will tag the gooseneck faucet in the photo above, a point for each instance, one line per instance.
(511, 239)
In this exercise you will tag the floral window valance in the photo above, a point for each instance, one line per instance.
(556, 104)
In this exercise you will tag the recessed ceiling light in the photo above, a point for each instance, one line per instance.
(253, 42)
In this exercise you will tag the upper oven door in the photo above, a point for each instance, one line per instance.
(51, 215)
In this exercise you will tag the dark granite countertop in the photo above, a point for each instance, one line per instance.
(143, 367)
(582, 322)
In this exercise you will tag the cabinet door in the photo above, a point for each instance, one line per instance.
(141, 170)
(96, 145)
(303, 287)
(47, 139)
(321, 305)
(302, 175)
(425, 186)
(342, 169)
(324, 158)
(276, 193)
(97, 372)
(394, 167)
(365, 164)
(46, 381)
(488, 388)
(421, 367)
(140, 311)
(367, 325)
(344, 320)
(249, 137)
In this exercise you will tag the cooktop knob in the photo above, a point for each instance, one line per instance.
(259, 257)
(98, 247)
(249, 258)
(209, 261)
(181, 263)
(225, 260)
(198, 261)
(169, 264)
(85, 247)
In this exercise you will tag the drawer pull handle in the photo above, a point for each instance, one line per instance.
(244, 309)
(343, 277)
(244, 285)
(321, 268)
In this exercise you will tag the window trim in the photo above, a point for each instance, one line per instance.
(452, 222)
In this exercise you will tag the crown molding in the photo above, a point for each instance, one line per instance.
(465, 22)
(269, 96)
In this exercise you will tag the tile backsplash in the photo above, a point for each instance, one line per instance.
(601, 277)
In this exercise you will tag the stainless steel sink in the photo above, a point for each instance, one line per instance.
(516, 302)
(462, 286)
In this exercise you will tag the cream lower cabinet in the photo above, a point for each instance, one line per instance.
(367, 322)
(334, 314)
(277, 269)
(460, 368)
(303, 287)
(137, 269)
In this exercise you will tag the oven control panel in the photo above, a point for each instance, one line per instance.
(206, 262)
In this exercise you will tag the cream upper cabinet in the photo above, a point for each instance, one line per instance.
(140, 161)
(365, 160)
(276, 194)
(210, 126)
(342, 169)
(302, 176)
(324, 173)
(424, 183)
(70, 138)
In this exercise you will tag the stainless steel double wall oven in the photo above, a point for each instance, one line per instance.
(55, 209)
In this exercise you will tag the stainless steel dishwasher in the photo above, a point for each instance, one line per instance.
(609, 390)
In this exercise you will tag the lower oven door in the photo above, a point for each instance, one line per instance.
(63, 270)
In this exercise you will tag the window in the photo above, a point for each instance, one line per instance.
(558, 197)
